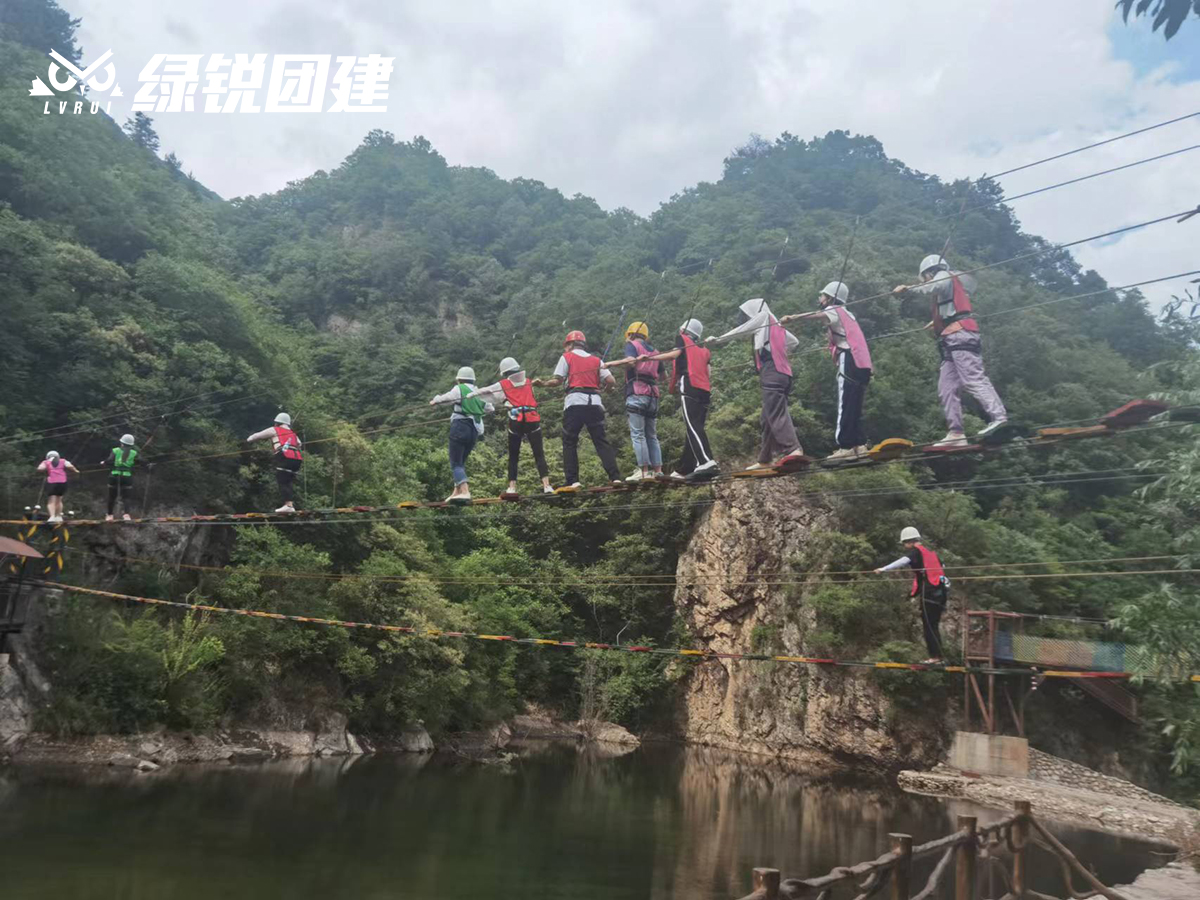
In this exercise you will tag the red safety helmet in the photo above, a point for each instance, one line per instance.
(574, 336)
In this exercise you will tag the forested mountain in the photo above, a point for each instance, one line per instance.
(137, 300)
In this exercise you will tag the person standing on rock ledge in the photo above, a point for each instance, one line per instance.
(930, 584)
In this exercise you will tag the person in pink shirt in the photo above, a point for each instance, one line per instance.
(56, 469)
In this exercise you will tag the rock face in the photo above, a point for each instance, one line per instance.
(14, 706)
(820, 715)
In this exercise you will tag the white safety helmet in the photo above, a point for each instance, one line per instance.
(127, 439)
(836, 290)
(508, 366)
(281, 419)
(909, 534)
(53, 454)
(694, 328)
(932, 261)
(466, 373)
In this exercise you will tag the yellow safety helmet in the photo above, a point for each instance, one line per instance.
(637, 329)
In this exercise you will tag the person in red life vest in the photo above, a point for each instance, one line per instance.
(959, 347)
(56, 469)
(772, 343)
(641, 401)
(852, 357)
(524, 422)
(690, 380)
(585, 376)
(288, 458)
(466, 428)
(930, 584)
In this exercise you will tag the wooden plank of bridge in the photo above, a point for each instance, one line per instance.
(902, 867)
(964, 861)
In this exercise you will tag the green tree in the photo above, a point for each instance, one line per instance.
(1168, 14)
(140, 128)
(40, 24)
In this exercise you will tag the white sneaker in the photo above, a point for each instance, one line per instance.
(283, 509)
(459, 498)
(675, 476)
(952, 439)
(128, 518)
(711, 464)
(546, 489)
(753, 466)
(862, 450)
(54, 520)
(843, 453)
(108, 518)
(636, 476)
(990, 427)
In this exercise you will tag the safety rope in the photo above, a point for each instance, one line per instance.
(434, 633)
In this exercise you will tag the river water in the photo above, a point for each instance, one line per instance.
(559, 822)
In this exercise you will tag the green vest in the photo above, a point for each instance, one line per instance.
(123, 461)
(475, 408)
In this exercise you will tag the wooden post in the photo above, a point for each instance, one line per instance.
(964, 861)
(1020, 835)
(902, 867)
(766, 881)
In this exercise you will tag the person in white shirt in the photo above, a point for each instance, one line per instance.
(288, 458)
(466, 427)
(585, 376)
(524, 421)
(772, 343)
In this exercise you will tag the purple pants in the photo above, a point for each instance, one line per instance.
(962, 369)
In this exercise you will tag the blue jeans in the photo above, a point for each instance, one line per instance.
(643, 429)
(462, 441)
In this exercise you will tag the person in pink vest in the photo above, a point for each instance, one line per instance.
(56, 469)
(852, 357)
(772, 343)
(959, 346)
(641, 401)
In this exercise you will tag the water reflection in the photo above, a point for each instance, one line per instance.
(557, 821)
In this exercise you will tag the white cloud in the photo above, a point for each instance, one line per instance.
(631, 102)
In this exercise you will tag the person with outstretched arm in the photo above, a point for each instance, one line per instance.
(466, 427)
(515, 391)
(852, 357)
(929, 583)
(959, 346)
(120, 476)
(56, 469)
(585, 376)
(641, 400)
(690, 380)
(288, 457)
(772, 344)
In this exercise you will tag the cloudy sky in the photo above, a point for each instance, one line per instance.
(630, 102)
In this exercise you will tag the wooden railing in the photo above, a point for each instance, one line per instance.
(963, 851)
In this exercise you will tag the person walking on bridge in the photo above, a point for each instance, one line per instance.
(56, 469)
(852, 357)
(930, 584)
(959, 347)
(524, 421)
(120, 476)
(641, 401)
(772, 344)
(466, 427)
(690, 380)
(585, 376)
(288, 457)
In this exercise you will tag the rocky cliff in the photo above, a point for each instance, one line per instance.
(824, 716)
